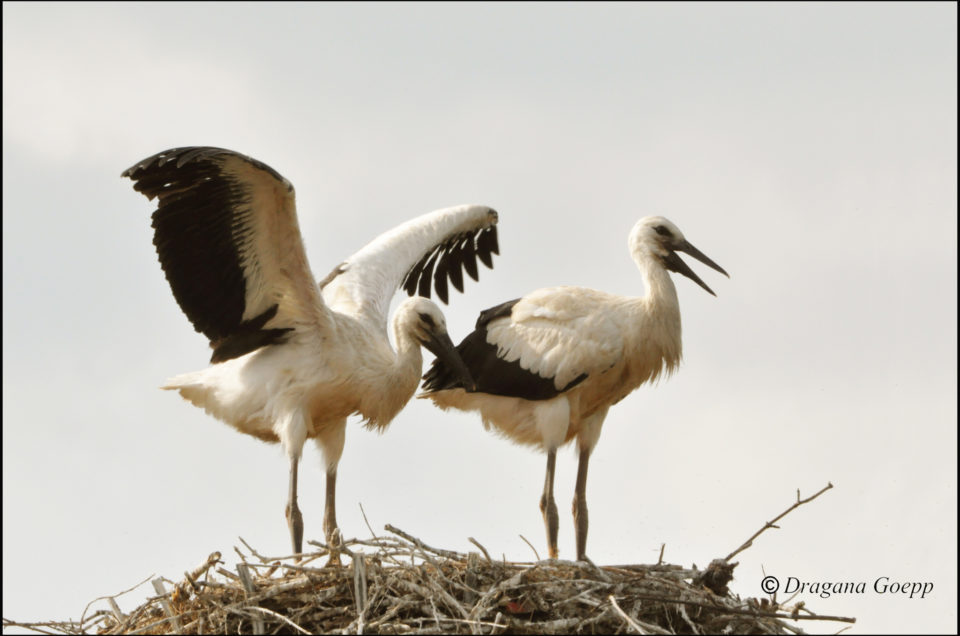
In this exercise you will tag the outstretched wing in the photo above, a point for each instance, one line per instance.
(430, 249)
(538, 346)
(226, 232)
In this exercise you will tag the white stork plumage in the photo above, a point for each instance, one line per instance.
(293, 359)
(548, 366)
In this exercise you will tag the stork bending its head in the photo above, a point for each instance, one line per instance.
(549, 365)
(291, 359)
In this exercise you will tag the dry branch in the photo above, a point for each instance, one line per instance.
(770, 524)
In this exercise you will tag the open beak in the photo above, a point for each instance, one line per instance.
(440, 345)
(674, 263)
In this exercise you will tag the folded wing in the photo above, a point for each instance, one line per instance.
(536, 347)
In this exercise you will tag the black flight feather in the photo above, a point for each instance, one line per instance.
(197, 224)
(491, 373)
(448, 260)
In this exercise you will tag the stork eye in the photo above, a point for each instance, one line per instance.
(662, 230)
(427, 319)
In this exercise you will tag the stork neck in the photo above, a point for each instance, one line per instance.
(409, 357)
(661, 296)
(658, 324)
(408, 347)
(394, 381)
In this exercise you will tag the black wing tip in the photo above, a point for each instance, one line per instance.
(497, 311)
(450, 259)
(433, 378)
(249, 336)
(494, 240)
(440, 285)
(184, 155)
(240, 344)
(487, 245)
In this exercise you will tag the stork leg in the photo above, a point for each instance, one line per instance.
(294, 518)
(330, 438)
(548, 507)
(586, 441)
(580, 505)
(330, 529)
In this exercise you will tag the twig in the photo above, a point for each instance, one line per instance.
(360, 589)
(366, 521)
(448, 554)
(252, 551)
(473, 622)
(192, 576)
(682, 610)
(770, 524)
(150, 626)
(323, 546)
(497, 624)
(244, 572)
(115, 609)
(731, 610)
(100, 598)
(36, 626)
(623, 615)
(603, 575)
(243, 557)
(482, 549)
(280, 616)
(591, 587)
(535, 553)
(167, 608)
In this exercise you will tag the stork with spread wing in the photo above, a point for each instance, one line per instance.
(293, 359)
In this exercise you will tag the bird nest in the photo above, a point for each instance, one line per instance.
(396, 584)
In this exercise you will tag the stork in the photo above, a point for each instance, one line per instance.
(549, 365)
(293, 359)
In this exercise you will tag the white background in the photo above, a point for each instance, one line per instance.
(808, 149)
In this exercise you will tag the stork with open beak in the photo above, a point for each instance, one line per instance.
(549, 365)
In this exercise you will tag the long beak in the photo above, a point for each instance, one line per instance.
(674, 263)
(440, 345)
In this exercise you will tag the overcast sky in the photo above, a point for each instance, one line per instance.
(808, 149)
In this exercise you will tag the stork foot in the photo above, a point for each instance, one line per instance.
(333, 561)
(334, 544)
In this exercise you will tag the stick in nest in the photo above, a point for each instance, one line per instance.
(770, 524)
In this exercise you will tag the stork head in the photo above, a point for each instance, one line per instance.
(655, 236)
(422, 320)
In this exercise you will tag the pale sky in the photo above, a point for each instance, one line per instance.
(808, 149)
